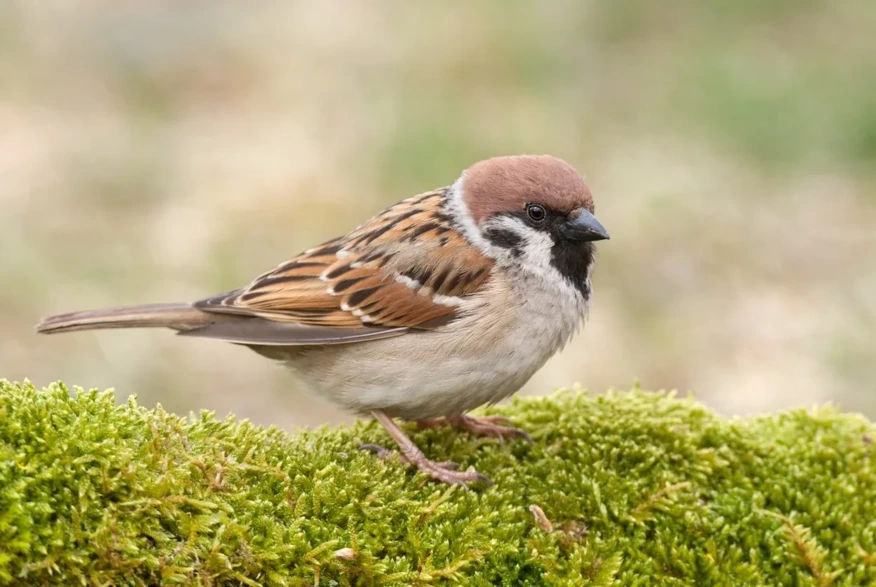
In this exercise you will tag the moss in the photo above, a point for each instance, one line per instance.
(634, 487)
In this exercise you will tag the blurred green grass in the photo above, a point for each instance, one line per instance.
(152, 151)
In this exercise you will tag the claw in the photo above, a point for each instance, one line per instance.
(440, 472)
(444, 471)
(492, 426)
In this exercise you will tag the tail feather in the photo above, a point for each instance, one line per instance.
(176, 316)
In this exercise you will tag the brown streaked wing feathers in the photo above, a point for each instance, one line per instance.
(385, 280)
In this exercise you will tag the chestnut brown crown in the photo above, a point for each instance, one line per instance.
(508, 184)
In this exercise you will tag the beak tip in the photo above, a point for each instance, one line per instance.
(589, 228)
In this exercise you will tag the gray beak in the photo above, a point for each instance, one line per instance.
(586, 228)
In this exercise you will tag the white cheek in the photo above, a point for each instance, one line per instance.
(536, 246)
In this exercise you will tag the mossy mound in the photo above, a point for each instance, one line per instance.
(638, 488)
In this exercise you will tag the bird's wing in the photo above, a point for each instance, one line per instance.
(406, 268)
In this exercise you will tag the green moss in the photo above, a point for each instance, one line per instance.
(639, 488)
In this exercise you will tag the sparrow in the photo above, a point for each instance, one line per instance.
(439, 304)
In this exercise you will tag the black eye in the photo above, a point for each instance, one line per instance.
(535, 212)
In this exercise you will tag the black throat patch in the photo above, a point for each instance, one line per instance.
(573, 260)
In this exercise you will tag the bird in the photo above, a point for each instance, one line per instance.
(441, 303)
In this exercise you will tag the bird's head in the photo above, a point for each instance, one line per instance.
(535, 212)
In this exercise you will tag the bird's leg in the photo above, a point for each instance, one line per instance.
(442, 471)
(494, 426)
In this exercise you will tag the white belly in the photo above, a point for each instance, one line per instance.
(469, 363)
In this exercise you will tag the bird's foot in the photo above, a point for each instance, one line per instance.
(444, 471)
(384, 453)
(447, 472)
(492, 426)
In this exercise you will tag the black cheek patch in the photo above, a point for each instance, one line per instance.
(505, 239)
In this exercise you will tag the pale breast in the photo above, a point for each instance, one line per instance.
(503, 337)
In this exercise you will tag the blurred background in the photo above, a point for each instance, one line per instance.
(154, 151)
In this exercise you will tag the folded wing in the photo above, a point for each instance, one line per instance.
(407, 268)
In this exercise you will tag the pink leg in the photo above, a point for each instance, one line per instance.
(494, 426)
(443, 471)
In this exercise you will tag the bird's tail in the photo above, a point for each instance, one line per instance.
(176, 316)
